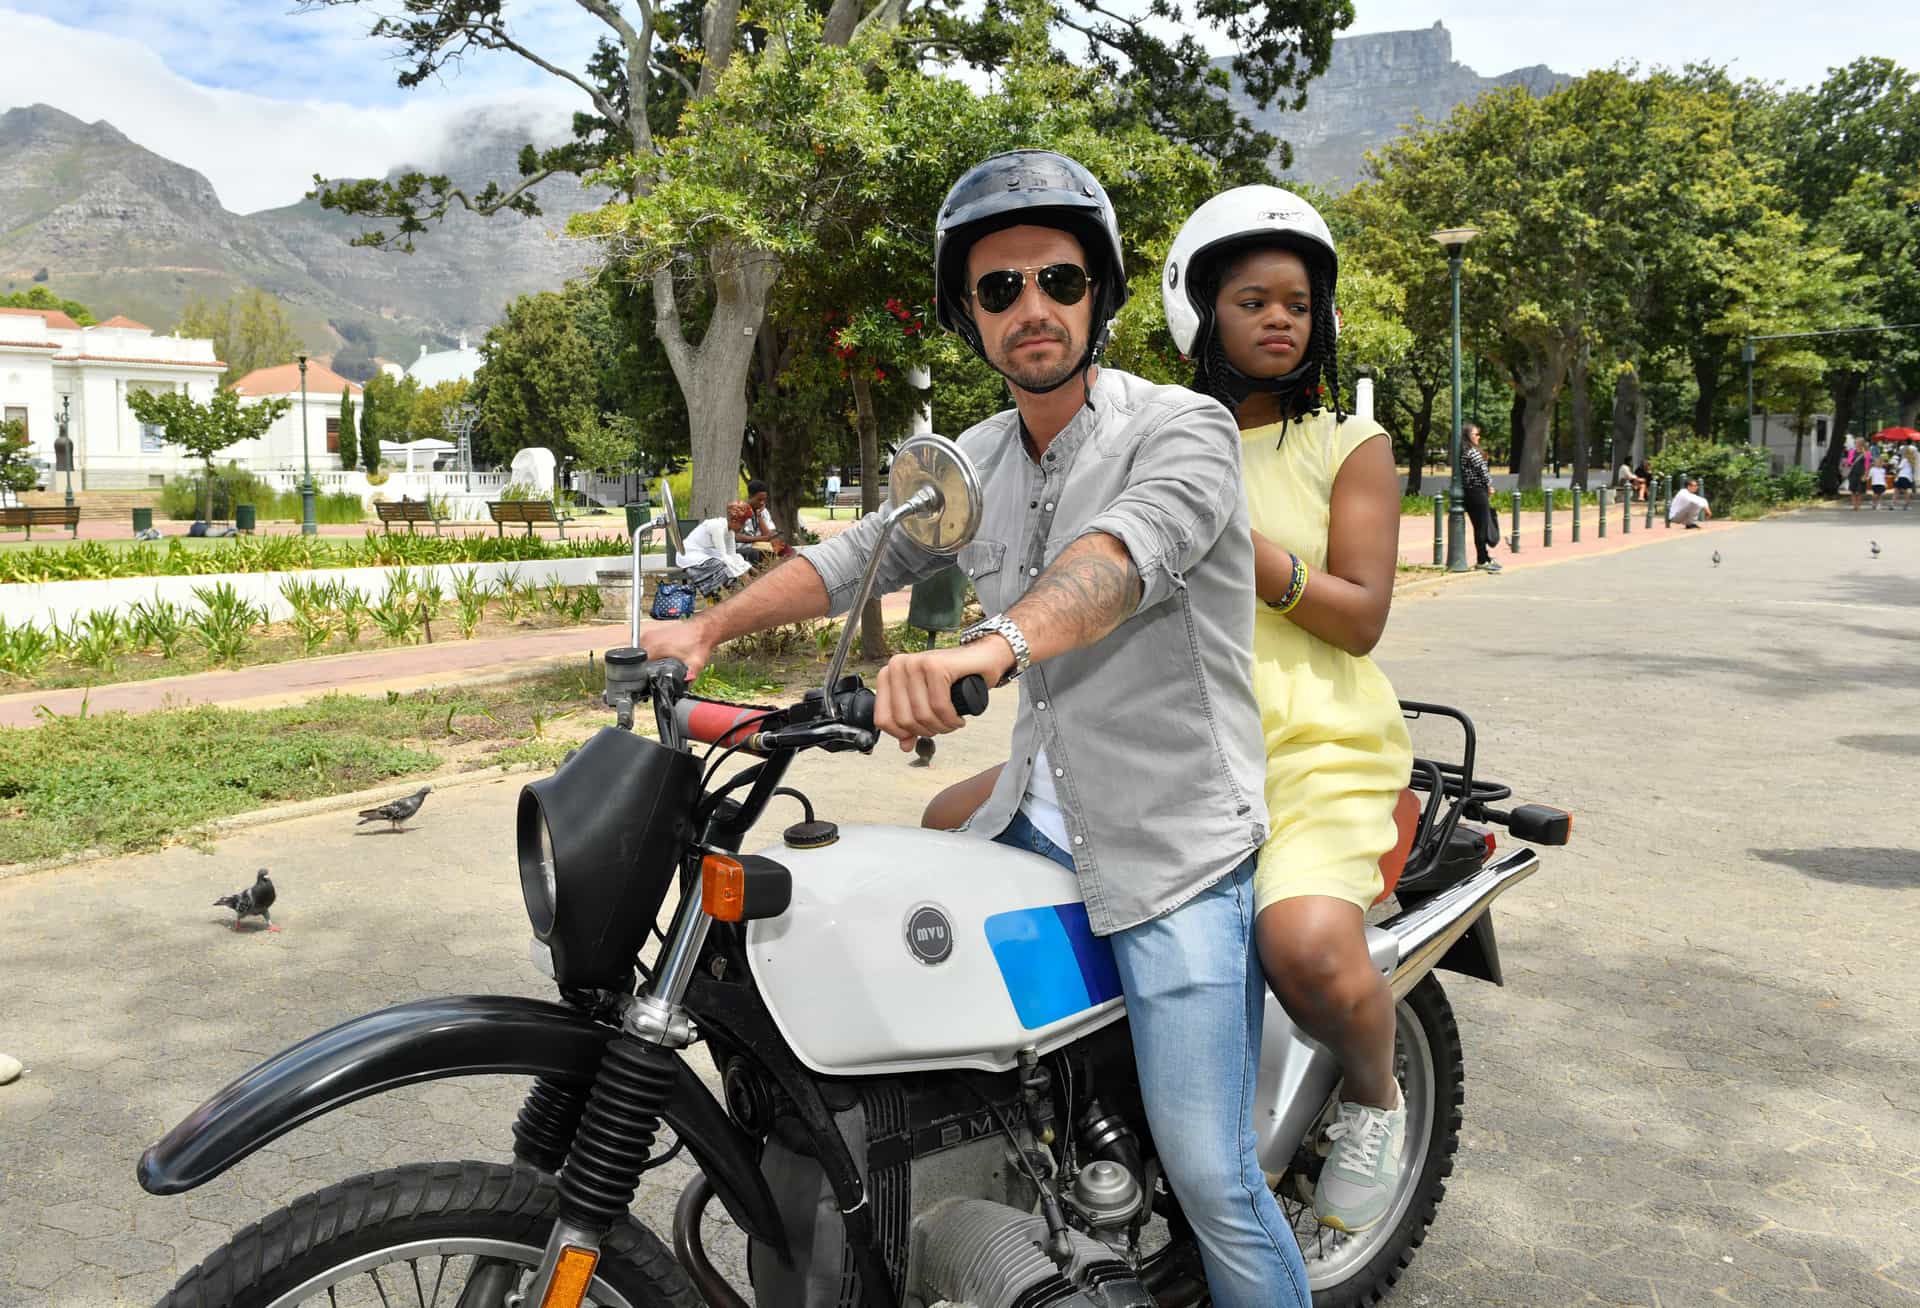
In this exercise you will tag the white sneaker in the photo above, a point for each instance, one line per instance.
(1360, 1175)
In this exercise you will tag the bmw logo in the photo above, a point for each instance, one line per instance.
(929, 935)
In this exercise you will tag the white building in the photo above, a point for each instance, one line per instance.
(281, 446)
(47, 360)
(430, 369)
(1778, 435)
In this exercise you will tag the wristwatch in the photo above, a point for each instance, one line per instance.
(1003, 626)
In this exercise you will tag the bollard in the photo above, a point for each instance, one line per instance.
(1649, 521)
(1546, 532)
(1666, 497)
(1577, 493)
(1600, 509)
(1516, 520)
(1626, 509)
(1439, 528)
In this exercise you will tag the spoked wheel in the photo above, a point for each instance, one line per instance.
(428, 1235)
(1354, 1271)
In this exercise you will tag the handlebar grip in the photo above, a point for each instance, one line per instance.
(970, 696)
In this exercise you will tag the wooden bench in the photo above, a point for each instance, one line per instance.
(31, 516)
(409, 512)
(529, 512)
(845, 498)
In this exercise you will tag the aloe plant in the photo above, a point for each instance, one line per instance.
(100, 639)
(159, 622)
(397, 616)
(470, 594)
(227, 621)
(24, 650)
(350, 607)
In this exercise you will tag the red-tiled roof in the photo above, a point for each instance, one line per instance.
(31, 345)
(54, 317)
(285, 380)
(121, 358)
(121, 320)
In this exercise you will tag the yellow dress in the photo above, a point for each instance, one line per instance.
(1338, 753)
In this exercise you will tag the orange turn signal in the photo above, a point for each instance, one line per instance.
(571, 1278)
(723, 888)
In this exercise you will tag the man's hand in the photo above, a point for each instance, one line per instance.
(914, 696)
(687, 640)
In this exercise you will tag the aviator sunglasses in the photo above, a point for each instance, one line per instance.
(1063, 283)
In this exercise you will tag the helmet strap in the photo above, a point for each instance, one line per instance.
(1235, 386)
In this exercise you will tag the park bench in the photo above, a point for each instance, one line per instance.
(407, 511)
(31, 516)
(530, 512)
(847, 497)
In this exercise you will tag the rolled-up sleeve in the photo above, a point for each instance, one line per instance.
(1179, 496)
(842, 560)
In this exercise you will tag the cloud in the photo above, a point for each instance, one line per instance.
(260, 148)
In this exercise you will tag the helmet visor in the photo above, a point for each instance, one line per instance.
(1063, 283)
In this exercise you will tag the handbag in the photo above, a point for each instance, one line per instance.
(671, 600)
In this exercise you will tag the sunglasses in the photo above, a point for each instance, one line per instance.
(1063, 283)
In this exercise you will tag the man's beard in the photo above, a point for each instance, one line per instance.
(1038, 376)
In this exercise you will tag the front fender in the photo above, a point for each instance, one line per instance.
(460, 1035)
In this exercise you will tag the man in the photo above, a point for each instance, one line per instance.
(760, 529)
(1689, 506)
(709, 555)
(1116, 563)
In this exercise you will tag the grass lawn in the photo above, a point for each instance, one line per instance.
(120, 782)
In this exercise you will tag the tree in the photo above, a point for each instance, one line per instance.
(395, 399)
(372, 423)
(17, 472)
(349, 434)
(605, 443)
(203, 430)
(39, 297)
(656, 68)
(540, 379)
(248, 331)
(432, 407)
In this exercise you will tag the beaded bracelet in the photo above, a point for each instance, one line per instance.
(1295, 588)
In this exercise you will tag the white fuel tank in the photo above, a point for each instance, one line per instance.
(907, 950)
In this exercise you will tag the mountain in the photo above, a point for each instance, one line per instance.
(1375, 86)
(110, 223)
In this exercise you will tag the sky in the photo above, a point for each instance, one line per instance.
(259, 95)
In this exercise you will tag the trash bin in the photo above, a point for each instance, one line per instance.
(143, 520)
(638, 516)
(243, 517)
(938, 602)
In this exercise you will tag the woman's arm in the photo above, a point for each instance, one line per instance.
(1346, 605)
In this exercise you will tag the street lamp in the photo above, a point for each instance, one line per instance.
(308, 527)
(1454, 241)
(1746, 357)
(66, 408)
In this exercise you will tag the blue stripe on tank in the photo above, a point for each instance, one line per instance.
(1052, 963)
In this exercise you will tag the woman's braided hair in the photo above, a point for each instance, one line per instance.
(1322, 363)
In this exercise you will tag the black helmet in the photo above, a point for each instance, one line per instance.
(1022, 187)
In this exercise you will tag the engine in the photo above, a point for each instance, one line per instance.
(981, 1254)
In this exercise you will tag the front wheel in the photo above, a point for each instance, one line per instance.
(1357, 1271)
(428, 1233)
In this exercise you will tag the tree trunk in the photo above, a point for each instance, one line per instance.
(206, 494)
(1516, 425)
(1540, 378)
(1910, 409)
(873, 632)
(1579, 376)
(1706, 376)
(1846, 390)
(713, 374)
(1627, 409)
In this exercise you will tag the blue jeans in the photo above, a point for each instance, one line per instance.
(1195, 993)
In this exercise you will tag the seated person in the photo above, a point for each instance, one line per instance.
(1643, 479)
(1689, 506)
(709, 554)
(760, 536)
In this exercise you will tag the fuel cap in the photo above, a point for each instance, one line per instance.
(811, 835)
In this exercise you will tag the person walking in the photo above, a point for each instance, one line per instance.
(1853, 467)
(1478, 484)
(1877, 479)
(1116, 565)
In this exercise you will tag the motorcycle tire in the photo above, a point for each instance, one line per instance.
(394, 1236)
(1359, 1271)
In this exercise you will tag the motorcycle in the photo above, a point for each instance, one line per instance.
(928, 1091)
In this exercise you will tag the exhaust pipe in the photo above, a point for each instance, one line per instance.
(1425, 933)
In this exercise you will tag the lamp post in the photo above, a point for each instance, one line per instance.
(308, 527)
(1454, 241)
(66, 411)
(1746, 357)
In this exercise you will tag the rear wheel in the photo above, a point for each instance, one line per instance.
(468, 1234)
(1357, 1271)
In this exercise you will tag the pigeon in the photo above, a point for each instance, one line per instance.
(254, 901)
(397, 812)
(922, 753)
(1873, 548)
(1716, 558)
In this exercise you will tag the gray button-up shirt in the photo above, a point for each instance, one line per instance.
(1153, 731)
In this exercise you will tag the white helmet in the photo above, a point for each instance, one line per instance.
(1244, 215)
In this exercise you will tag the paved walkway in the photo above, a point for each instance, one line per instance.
(1416, 536)
(1699, 1087)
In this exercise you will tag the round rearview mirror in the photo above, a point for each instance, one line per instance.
(936, 462)
(670, 516)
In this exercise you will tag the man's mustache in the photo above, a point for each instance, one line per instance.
(1042, 333)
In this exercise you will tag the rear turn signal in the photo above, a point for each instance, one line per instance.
(1540, 825)
(571, 1277)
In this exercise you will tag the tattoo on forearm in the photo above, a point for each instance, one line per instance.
(1081, 597)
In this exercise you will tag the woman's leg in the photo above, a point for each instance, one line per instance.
(1314, 950)
(1477, 509)
(952, 807)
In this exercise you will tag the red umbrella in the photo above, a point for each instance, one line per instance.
(1897, 434)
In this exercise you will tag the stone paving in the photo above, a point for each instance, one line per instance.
(1699, 1087)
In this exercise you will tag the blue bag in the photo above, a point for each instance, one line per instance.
(672, 600)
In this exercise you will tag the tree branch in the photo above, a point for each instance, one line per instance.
(717, 41)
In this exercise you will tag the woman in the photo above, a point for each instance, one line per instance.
(1249, 295)
(1478, 487)
(1853, 466)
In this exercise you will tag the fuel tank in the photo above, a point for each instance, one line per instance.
(906, 950)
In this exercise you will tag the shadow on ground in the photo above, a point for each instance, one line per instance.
(1854, 865)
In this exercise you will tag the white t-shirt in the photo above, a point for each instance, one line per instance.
(712, 540)
(1686, 507)
(1041, 803)
(1877, 476)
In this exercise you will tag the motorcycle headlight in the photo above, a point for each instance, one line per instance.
(600, 842)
